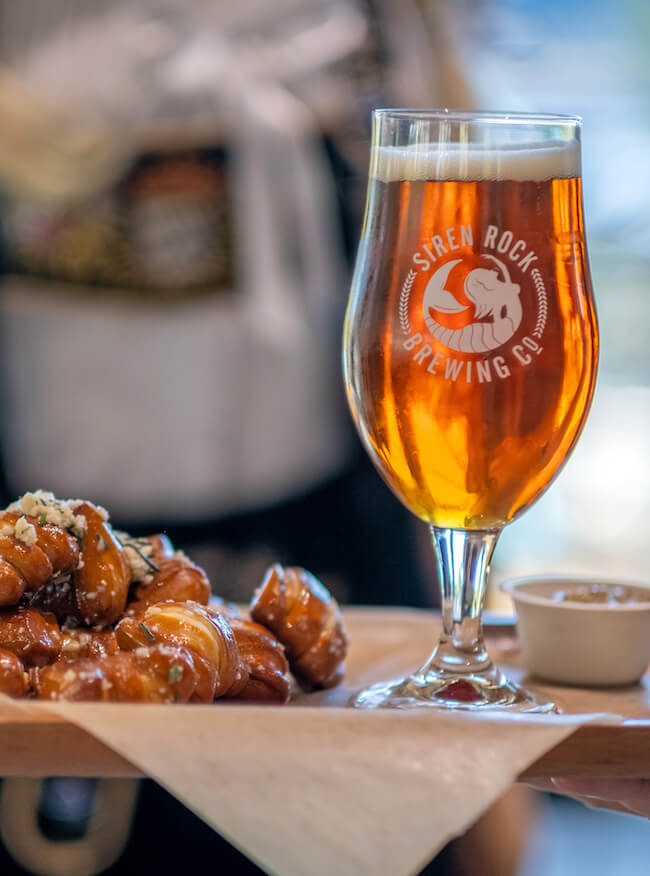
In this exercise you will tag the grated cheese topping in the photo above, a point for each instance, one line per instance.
(135, 549)
(25, 532)
(58, 512)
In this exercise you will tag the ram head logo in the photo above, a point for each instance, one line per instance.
(497, 308)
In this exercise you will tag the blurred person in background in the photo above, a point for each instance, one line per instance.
(176, 268)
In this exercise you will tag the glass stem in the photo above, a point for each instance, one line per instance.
(463, 558)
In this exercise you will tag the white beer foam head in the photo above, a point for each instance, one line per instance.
(549, 159)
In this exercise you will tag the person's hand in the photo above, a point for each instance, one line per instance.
(631, 796)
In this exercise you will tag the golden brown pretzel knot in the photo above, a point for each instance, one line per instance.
(263, 655)
(177, 579)
(159, 674)
(206, 635)
(306, 619)
(31, 635)
(101, 583)
(13, 679)
(90, 587)
(27, 564)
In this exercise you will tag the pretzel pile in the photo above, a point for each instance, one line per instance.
(87, 613)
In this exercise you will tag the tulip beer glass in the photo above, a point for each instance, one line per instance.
(470, 351)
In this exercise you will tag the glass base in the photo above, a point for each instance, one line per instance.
(469, 691)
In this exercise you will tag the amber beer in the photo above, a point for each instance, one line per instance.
(470, 352)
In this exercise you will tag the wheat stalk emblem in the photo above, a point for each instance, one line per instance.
(404, 302)
(542, 303)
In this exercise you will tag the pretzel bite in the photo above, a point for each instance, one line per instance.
(177, 579)
(31, 552)
(25, 566)
(101, 583)
(13, 679)
(12, 583)
(79, 644)
(58, 544)
(206, 635)
(160, 674)
(32, 636)
(306, 619)
(263, 655)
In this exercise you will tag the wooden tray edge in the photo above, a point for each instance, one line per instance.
(598, 750)
(54, 747)
(40, 749)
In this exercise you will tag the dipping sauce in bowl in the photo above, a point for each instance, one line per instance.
(582, 631)
(602, 594)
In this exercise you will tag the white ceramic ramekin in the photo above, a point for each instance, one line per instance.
(590, 644)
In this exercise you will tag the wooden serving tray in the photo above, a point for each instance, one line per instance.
(385, 643)
(49, 746)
